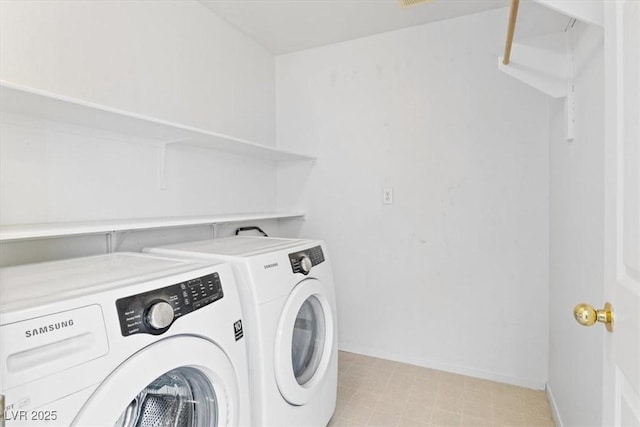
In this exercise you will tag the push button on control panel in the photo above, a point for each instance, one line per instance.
(155, 311)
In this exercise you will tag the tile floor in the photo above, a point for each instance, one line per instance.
(377, 392)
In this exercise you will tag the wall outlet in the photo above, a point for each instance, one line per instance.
(387, 196)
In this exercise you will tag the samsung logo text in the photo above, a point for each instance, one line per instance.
(48, 328)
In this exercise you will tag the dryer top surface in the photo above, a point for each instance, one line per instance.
(240, 246)
(36, 284)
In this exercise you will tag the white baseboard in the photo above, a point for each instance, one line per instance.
(554, 408)
(447, 367)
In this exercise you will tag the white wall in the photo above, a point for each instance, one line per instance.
(174, 60)
(576, 243)
(454, 274)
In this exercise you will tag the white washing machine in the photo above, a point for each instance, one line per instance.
(287, 294)
(122, 340)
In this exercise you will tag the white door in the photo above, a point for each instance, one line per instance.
(621, 391)
(180, 381)
(304, 342)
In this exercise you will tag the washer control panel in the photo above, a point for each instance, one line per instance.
(303, 261)
(155, 311)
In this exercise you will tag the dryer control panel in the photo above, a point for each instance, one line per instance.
(155, 311)
(303, 261)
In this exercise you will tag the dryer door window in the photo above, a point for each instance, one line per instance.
(304, 342)
(308, 340)
(183, 397)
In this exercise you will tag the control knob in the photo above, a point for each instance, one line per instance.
(160, 315)
(305, 264)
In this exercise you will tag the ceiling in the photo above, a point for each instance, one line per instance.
(284, 26)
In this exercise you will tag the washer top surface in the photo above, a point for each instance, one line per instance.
(239, 246)
(36, 284)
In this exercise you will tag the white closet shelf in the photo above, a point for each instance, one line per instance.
(40, 104)
(41, 231)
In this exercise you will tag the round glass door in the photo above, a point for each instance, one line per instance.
(183, 397)
(308, 340)
(180, 381)
(304, 342)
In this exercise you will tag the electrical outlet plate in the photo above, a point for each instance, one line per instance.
(387, 196)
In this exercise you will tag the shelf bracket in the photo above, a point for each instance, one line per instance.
(112, 241)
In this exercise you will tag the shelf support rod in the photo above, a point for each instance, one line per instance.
(112, 241)
(513, 15)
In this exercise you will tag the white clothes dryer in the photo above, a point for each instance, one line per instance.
(288, 298)
(122, 340)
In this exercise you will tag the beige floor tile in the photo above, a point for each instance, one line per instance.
(408, 371)
(341, 407)
(356, 414)
(383, 420)
(346, 356)
(451, 389)
(536, 409)
(507, 401)
(505, 388)
(391, 405)
(400, 391)
(440, 418)
(477, 410)
(382, 365)
(477, 396)
(417, 412)
(345, 392)
(469, 421)
(471, 383)
(429, 374)
(371, 384)
(533, 395)
(365, 398)
(452, 379)
(401, 380)
(345, 367)
(348, 380)
(362, 370)
(535, 405)
(449, 403)
(377, 392)
(505, 417)
(428, 383)
(422, 395)
(538, 421)
(336, 421)
(408, 422)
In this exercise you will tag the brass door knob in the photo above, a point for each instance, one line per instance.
(586, 315)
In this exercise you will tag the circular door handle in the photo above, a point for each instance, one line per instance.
(586, 315)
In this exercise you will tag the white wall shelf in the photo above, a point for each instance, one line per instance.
(10, 233)
(542, 62)
(40, 104)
